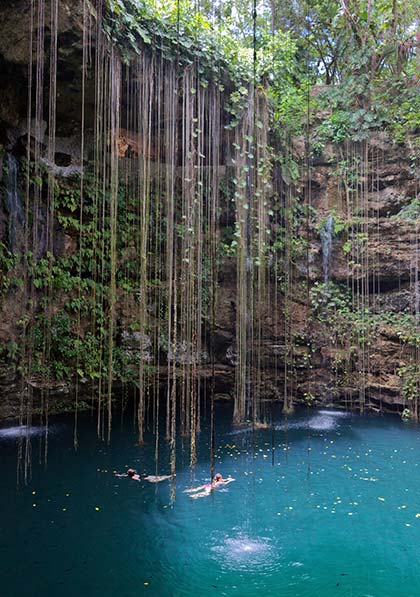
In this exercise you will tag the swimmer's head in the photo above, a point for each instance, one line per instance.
(131, 472)
(217, 477)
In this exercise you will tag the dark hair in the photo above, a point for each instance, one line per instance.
(131, 472)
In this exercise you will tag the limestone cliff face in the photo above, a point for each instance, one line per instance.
(365, 349)
(342, 330)
(15, 57)
(15, 17)
(351, 340)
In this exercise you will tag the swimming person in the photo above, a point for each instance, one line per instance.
(206, 489)
(130, 473)
(136, 477)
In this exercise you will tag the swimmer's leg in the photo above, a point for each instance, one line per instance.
(157, 478)
(204, 493)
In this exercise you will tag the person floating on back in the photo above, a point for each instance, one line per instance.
(131, 473)
(205, 490)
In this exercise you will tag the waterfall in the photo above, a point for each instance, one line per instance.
(14, 204)
(326, 246)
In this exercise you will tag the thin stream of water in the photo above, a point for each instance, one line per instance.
(326, 247)
(14, 203)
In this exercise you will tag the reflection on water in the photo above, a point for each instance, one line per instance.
(323, 420)
(335, 413)
(18, 431)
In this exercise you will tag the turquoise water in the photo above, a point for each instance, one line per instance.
(337, 514)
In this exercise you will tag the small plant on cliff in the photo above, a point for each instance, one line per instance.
(406, 414)
(8, 262)
(411, 211)
(308, 398)
(339, 223)
(327, 297)
(410, 376)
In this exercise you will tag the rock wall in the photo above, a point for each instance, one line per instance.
(344, 329)
(365, 350)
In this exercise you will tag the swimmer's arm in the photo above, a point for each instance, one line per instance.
(228, 480)
(121, 474)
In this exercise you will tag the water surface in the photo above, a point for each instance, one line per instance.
(325, 504)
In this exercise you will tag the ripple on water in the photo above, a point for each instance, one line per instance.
(247, 553)
(321, 422)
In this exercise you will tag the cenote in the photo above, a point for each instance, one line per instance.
(209, 265)
(326, 503)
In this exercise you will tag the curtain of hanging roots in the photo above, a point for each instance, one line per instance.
(168, 184)
(252, 206)
(33, 198)
(114, 66)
